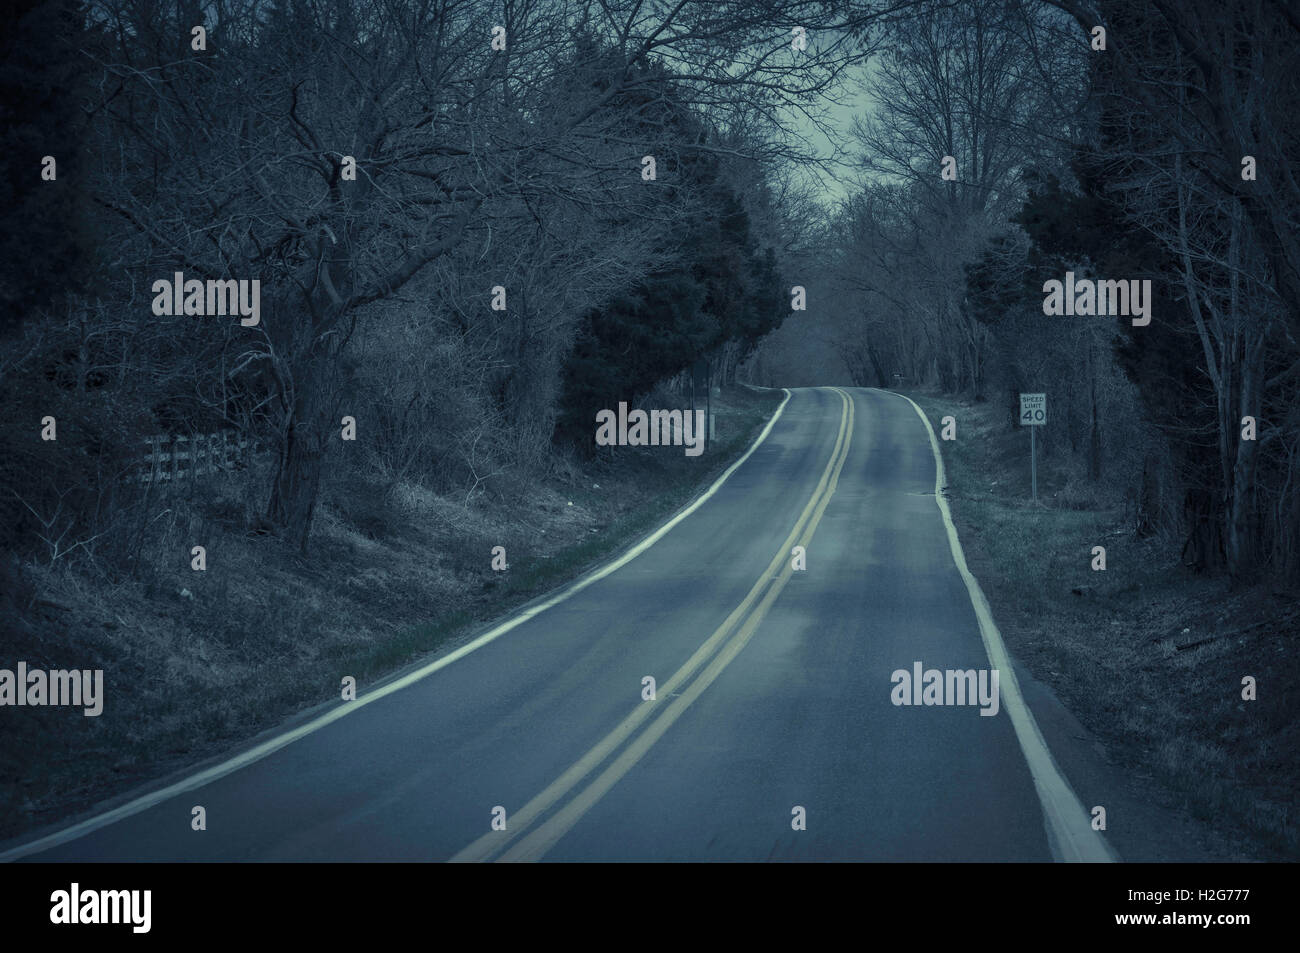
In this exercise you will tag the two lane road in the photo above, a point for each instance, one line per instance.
(772, 701)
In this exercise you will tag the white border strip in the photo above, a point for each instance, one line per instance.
(1068, 825)
(258, 752)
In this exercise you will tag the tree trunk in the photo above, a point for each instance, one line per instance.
(302, 446)
(1242, 541)
(297, 485)
(874, 356)
(1148, 501)
(1094, 438)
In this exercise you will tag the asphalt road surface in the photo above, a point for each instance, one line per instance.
(772, 701)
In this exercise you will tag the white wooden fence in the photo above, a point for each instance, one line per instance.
(179, 457)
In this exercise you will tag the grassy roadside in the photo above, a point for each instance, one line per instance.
(197, 662)
(1149, 656)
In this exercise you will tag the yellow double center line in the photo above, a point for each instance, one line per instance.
(525, 839)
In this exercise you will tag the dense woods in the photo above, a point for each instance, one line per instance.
(472, 225)
(1158, 148)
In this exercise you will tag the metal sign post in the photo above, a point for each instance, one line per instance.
(1033, 463)
(1033, 413)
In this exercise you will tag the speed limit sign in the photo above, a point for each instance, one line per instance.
(1033, 413)
(1033, 410)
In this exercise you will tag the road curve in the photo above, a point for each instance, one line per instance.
(773, 694)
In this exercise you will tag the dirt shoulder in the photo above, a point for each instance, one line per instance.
(1146, 657)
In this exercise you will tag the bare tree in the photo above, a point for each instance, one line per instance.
(236, 161)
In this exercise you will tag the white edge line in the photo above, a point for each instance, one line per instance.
(1068, 824)
(258, 752)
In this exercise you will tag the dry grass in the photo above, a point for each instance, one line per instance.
(196, 662)
(1149, 656)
